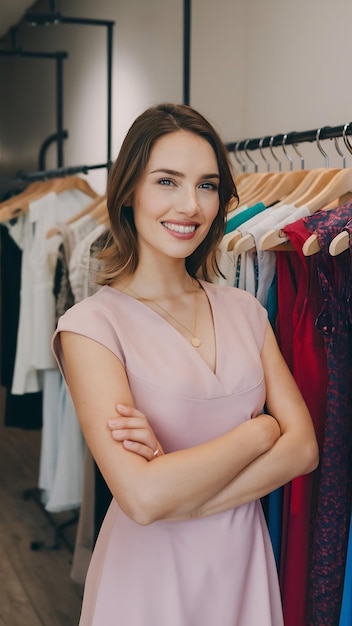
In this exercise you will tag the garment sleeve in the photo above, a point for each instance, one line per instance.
(92, 322)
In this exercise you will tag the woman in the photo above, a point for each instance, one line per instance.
(166, 371)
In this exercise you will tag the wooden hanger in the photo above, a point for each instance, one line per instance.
(28, 190)
(240, 179)
(340, 187)
(318, 186)
(340, 243)
(311, 245)
(285, 185)
(244, 244)
(287, 182)
(236, 237)
(319, 180)
(272, 239)
(13, 207)
(74, 182)
(18, 205)
(254, 186)
(302, 187)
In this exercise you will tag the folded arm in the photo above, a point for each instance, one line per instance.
(174, 484)
(294, 453)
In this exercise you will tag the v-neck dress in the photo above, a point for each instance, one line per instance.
(212, 571)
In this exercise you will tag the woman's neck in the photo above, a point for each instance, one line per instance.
(159, 284)
(157, 277)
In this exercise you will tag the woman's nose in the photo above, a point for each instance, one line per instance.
(189, 202)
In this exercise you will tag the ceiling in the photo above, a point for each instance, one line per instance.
(11, 11)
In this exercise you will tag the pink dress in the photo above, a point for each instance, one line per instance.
(213, 571)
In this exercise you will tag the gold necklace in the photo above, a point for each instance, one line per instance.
(196, 343)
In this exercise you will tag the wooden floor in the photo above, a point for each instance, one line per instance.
(35, 585)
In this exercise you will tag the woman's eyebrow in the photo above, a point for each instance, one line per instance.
(181, 175)
(165, 170)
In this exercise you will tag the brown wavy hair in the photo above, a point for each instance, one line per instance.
(120, 255)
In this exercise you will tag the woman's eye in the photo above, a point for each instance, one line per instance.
(210, 186)
(166, 181)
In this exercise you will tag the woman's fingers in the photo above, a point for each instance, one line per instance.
(138, 440)
(146, 451)
(134, 434)
(131, 411)
(132, 428)
(128, 422)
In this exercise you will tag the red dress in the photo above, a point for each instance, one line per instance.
(299, 303)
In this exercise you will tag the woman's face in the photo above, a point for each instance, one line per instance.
(177, 197)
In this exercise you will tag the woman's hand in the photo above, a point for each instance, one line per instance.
(133, 430)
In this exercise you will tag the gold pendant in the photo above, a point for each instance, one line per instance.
(195, 342)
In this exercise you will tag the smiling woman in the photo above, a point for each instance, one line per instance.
(169, 375)
(180, 200)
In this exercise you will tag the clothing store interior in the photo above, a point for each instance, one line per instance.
(272, 79)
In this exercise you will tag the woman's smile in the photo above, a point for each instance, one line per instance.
(179, 230)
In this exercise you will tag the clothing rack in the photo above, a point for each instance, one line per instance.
(58, 172)
(21, 179)
(292, 138)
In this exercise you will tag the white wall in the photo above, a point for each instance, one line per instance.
(257, 68)
(218, 68)
(277, 66)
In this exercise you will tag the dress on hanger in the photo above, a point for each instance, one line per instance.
(299, 303)
(23, 411)
(37, 304)
(214, 570)
(333, 509)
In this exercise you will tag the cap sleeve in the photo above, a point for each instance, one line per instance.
(89, 320)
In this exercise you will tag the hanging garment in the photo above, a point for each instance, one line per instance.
(215, 570)
(226, 257)
(62, 448)
(20, 411)
(255, 271)
(257, 267)
(333, 508)
(81, 275)
(243, 215)
(299, 302)
(83, 239)
(37, 305)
